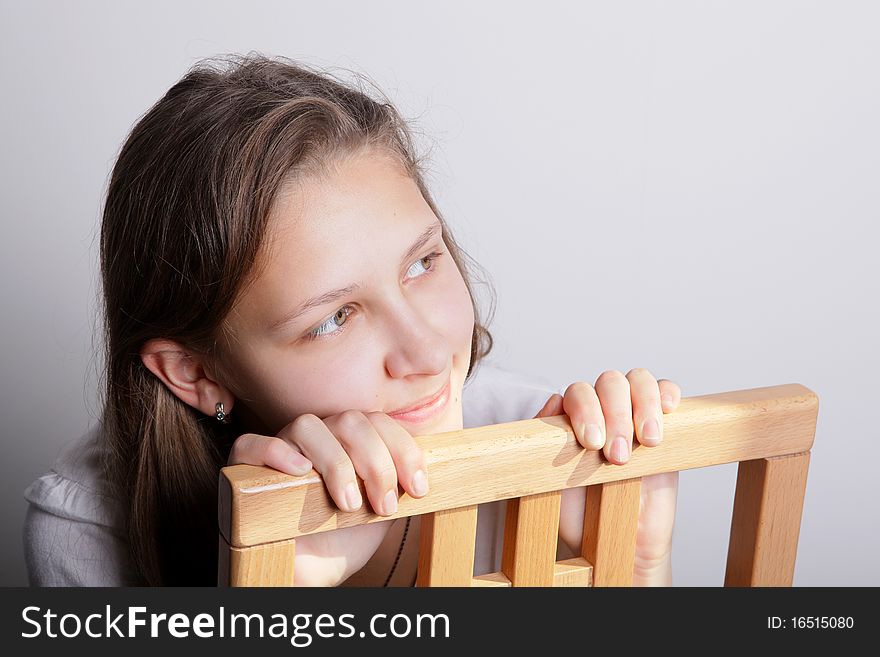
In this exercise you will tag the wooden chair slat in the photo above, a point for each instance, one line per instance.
(446, 547)
(611, 518)
(766, 521)
(531, 530)
(270, 564)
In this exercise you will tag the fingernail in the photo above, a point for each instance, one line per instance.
(620, 449)
(420, 483)
(594, 436)
(666, 400)
(390, 502)
(651, 430)
(353, 496)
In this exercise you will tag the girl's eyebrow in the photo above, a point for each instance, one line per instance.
(334, 295)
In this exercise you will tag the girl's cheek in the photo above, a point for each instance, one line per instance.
(456, 313)
(322, 386)
(271, 392)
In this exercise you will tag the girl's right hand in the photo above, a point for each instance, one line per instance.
(341, 447)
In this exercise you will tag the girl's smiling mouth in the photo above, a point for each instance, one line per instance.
(424, 410)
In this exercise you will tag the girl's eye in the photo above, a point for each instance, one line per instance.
(340, 317)
(420, 263)
(337, 319)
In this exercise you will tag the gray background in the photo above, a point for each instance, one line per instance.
(690, 187)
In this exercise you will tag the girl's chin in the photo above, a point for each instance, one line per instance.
(448, 424)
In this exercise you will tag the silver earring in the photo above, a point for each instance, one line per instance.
(221, 414)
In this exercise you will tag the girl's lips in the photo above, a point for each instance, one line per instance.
(427, 411)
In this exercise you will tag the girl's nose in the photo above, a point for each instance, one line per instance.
(415, 346)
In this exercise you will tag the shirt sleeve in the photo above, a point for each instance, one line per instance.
(63, 552)
(496, 395)
(69, 540)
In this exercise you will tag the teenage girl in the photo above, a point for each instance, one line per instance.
(280, 289)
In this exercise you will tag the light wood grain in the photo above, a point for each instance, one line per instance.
(570, 572)
(474, 466)
(531, 530)
(447, 540)
(611, 519)
(573, 572)
(766, 521)
(260, 565)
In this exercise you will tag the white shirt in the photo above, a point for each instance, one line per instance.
(74, 532)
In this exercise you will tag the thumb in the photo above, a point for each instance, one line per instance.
(552, 407)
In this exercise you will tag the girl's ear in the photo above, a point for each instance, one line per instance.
(185, 376)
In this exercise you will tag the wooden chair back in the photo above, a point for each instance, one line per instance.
(767, 431)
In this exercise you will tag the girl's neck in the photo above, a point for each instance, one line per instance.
(249, 422)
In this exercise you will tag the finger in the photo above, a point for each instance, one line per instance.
(647, 413)
(271, 451)
(315, 440)
(581, 404)
(371, 459)
(408, 457)
(670, 395)
(614, 396)
(551, 407)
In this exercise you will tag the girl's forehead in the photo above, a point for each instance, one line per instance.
(362, 201)
(339, 229)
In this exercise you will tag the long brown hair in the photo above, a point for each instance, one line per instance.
(182, 231)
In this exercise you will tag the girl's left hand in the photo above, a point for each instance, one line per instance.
(607, 417)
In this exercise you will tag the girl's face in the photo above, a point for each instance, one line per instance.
(388, 319)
